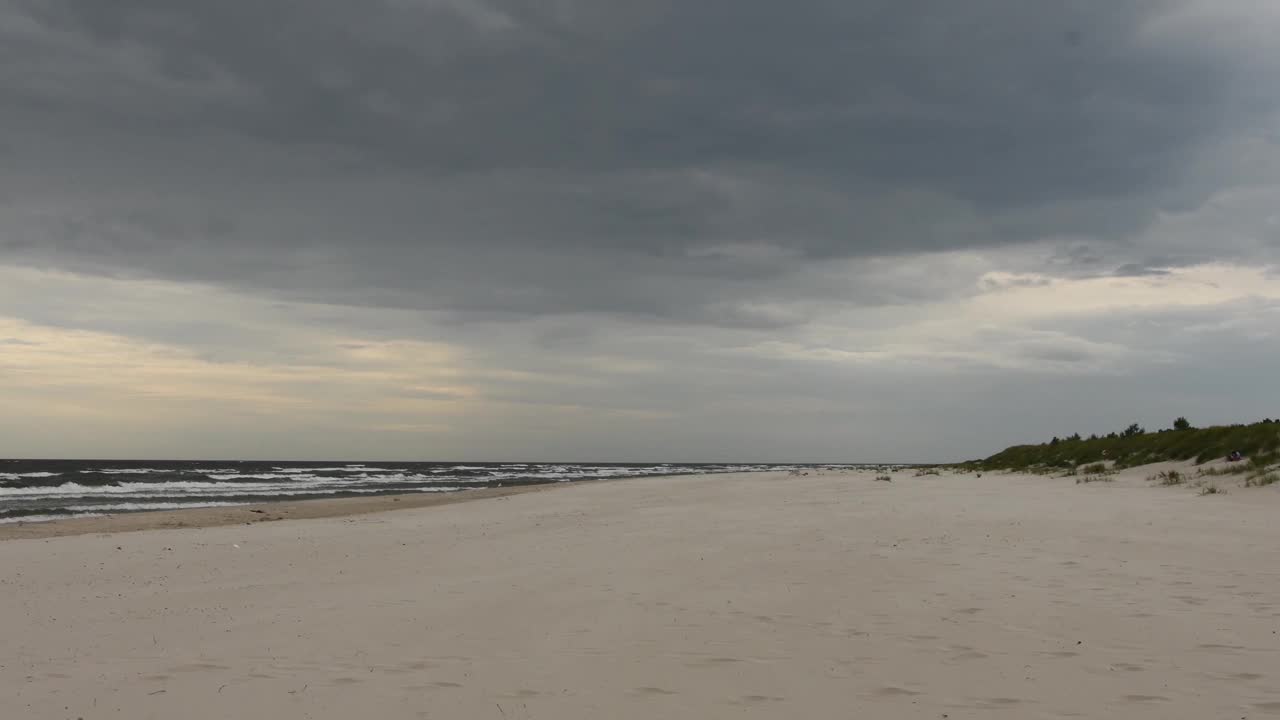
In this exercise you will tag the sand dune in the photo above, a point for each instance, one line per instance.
(699, 597)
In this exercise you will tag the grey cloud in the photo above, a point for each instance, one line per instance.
(510, 158)
(923, 92)
(721, 229)
(1137, 270)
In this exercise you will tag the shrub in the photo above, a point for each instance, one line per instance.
(1094, 469)
(1181, 424)
(883, 478)
(1133, 430)
(1168, 477)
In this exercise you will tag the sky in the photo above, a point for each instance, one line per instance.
(607, 230)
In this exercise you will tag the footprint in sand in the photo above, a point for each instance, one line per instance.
(199, 667)
(721, 661)
(1000, 702)
(757, 699)
(891, 691)
(521, 694)
(648, 690)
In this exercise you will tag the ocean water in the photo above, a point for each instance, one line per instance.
(41, 490)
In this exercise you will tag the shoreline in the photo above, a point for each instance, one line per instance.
(284, 510)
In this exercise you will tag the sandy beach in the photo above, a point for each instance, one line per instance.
(729, 596)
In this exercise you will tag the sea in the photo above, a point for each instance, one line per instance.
(44, 490)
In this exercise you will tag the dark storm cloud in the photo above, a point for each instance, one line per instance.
(993, 101)
(663, 159)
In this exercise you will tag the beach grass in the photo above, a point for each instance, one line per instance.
(1168, 478)
(1262, 480)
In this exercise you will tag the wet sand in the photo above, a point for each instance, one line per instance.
(261, 512)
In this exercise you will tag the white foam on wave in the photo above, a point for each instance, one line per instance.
(344, 468)
(127, 471)
(72, 489)
(130, 507)
(43, 518)
(255, 476)
(19, 476)
(196, 488)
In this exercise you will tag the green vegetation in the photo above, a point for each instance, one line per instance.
(1094, 478)
(1135, 446)
(883, 478)
(1168, 477)
(1094, 469)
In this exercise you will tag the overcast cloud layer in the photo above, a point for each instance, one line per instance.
(713, 230)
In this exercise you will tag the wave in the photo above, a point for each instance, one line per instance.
(343, 468)
(135, 507)
(43, 518)
(71, 488)
(128, 471)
